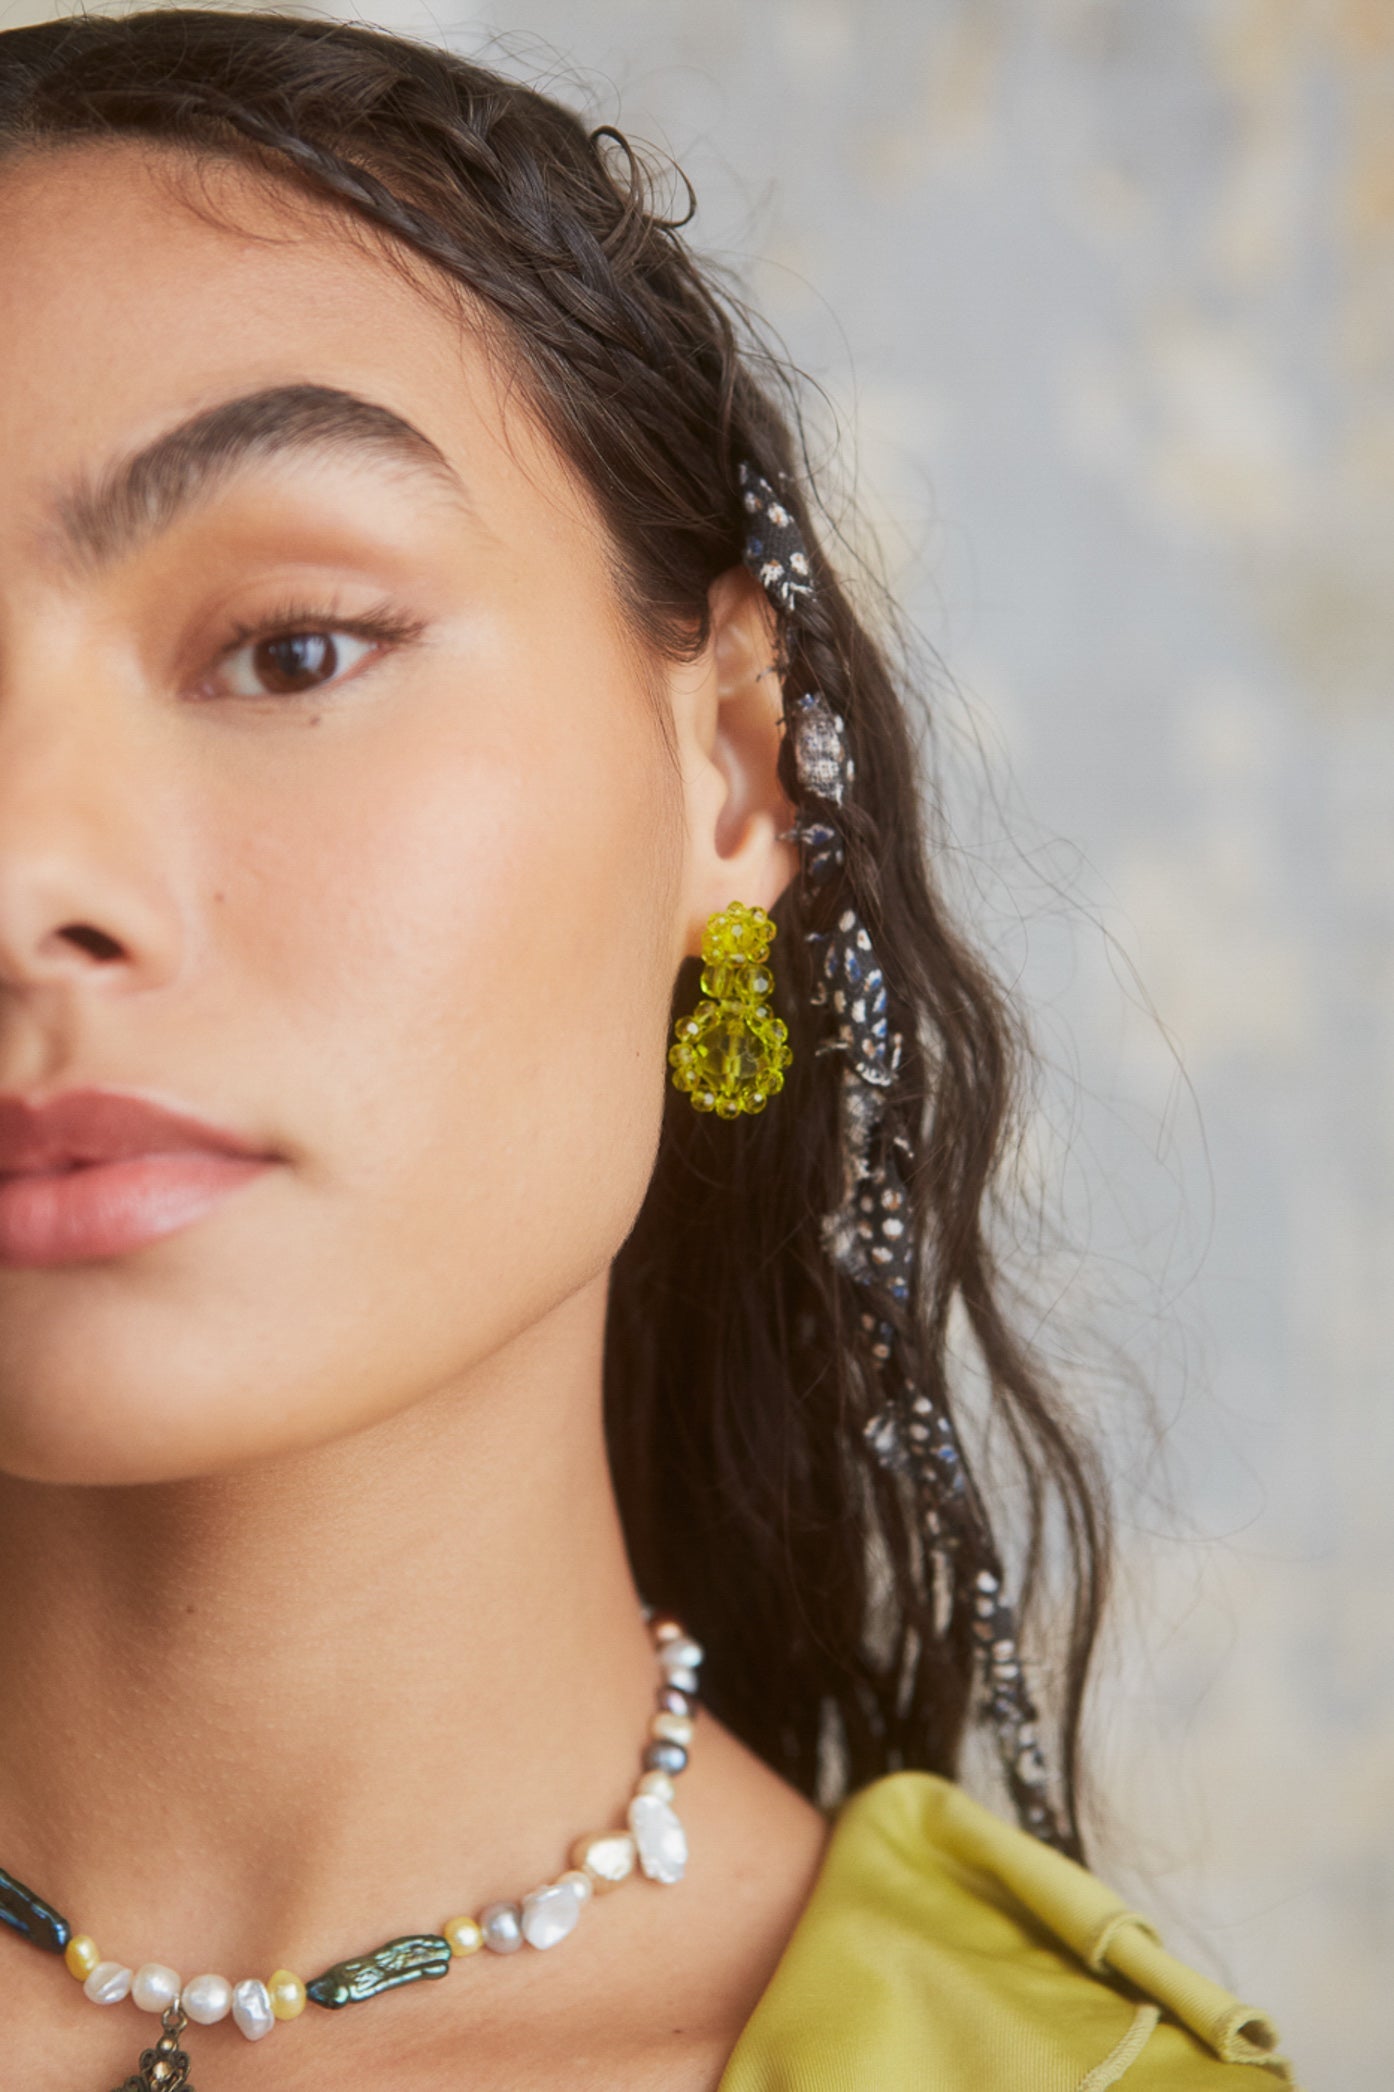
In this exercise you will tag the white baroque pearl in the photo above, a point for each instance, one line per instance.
(550, 1913)
(682, 1653)
(660, 1837)
(109, 1982)
(154, 1986)
(251, 2008)
(207, 1999)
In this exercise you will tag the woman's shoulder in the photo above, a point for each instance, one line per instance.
(945, 1948)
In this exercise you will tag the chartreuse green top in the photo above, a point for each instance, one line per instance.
(945, 1950)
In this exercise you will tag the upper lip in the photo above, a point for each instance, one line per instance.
(102, 1125)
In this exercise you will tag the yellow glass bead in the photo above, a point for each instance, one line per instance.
(462, 1936)
(730, 1053)
(82, 1955)
(737, 933)
(287, 1994)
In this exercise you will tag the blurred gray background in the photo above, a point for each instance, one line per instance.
(1100, 298)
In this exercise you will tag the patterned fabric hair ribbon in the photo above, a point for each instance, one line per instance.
(869, 1234)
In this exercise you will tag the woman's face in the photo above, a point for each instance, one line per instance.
(403, 906)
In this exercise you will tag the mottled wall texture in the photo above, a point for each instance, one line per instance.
(1099, 295)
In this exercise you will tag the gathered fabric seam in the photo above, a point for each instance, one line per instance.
(1123, 2057)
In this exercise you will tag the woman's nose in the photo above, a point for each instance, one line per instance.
(84, 856)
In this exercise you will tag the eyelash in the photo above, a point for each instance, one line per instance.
(295, 619)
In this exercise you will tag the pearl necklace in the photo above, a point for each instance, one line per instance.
(601, 1860)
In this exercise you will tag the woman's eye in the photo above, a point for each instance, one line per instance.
(282, 664)
(299, 646)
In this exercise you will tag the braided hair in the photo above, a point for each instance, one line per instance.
(869, 1234)
(779, 1401)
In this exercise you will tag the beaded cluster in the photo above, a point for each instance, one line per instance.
(869, 1234)
(730, 1053)
(651, 1842)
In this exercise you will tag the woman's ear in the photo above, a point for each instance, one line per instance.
(730, 727)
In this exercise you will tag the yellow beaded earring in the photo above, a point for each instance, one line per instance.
(731, 1052)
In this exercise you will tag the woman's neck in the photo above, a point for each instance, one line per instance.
(272, 1717)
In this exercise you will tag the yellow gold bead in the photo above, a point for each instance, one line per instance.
(82, 1955)
(287, 1995)
(462, 1936)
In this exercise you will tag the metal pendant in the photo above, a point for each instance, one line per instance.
(165, 2067)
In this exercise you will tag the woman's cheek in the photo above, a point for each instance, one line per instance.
(495, 1001)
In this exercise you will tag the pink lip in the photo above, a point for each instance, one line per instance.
(95, 1173)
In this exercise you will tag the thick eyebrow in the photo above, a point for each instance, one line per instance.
(100, 519)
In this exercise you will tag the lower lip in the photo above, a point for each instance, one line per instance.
(103, 1209)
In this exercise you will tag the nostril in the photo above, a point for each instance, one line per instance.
(94, 941)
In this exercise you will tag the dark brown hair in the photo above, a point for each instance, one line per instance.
(738, 1372)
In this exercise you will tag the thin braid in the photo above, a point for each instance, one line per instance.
(870, 1235)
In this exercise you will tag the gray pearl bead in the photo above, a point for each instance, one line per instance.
(663, 1756)
(502, 1927)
